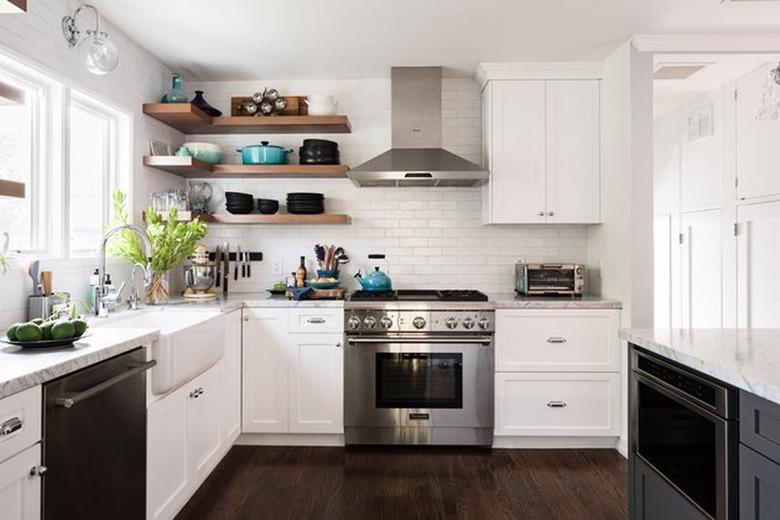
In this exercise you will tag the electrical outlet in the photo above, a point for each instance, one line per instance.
(277, 267)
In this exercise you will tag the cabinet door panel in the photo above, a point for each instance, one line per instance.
(656, 499)
(517, 152)
(316, 384)
(701, 159)
(204, 424)
(20, 492)
(756, 140)
(573, 151)
(758, 286)
(231, 378)
(265, 362)
(759, 486)
(167, 478)
(702, 271)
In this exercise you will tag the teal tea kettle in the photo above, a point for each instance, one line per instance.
(376, 281)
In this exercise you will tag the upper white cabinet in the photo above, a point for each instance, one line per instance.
(573, 153)
(293, 371)
(758, 286)
(543, 149)
(756, 140)
(701, 153)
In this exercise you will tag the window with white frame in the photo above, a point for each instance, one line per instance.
(68, 148)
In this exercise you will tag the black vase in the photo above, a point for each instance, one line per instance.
(202, 104)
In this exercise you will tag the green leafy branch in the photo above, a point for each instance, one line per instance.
(172, 241)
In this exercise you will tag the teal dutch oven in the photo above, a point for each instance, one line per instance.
(264, 153)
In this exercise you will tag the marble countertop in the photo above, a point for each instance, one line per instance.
(25, 368)
(512, 301)
(746, 359)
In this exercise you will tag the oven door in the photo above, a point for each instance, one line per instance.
(419, 382)
(685, 443)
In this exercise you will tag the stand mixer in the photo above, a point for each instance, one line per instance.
(200, 276)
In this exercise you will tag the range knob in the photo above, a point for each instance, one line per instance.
(484, 323)
(353, 322)
(369, 322)
(468, 323)
(451, 323)
(386, 322)
(418, 322)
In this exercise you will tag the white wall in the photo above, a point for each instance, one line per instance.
(432, 236)
(36, 40)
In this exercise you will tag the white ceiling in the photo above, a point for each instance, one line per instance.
(251, 39)
(720, 69)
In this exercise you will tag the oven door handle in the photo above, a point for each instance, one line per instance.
(482, 340)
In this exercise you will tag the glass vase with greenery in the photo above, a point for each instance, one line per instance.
(172, 242)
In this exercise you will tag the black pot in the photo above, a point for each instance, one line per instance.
(318, 155)
(202, 104)
(320, 143)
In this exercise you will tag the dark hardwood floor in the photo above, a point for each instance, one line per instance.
(404, 483)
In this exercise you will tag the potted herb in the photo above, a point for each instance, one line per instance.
(172, 242)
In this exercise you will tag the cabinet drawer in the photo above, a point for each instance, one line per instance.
(759, 486)
(759, 425)
(564, 404)
(20, 421)
(557, 341)
(316, 320)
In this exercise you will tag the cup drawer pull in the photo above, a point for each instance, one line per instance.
(316, 321)
(556, 339)
(557, 404)
(10, 426)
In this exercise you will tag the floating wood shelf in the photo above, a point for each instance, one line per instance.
(281, 219)
(12, 189)
(192, 120)
(193, 168)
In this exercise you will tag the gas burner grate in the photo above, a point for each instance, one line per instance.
(447, 295)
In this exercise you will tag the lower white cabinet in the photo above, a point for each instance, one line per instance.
(758, 285)
(231, 378)
(20, 489)
(184, 443)
(557, 373)
(293, 374)
(556, 404)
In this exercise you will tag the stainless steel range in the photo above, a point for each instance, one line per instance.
(419, 368)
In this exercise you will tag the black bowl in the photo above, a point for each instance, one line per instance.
(239, 211)
(319, 143)
(305, 196)
(267, 206)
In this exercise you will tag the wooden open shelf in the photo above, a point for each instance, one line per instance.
(12, 189)
(192, 120)
(193, 168)
(281, 219)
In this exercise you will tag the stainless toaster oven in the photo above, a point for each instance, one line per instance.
(549, 279)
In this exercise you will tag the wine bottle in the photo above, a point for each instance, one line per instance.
(300, 274)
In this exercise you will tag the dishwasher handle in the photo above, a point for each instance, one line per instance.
(74, 399)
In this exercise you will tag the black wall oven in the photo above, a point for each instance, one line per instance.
(683, 427)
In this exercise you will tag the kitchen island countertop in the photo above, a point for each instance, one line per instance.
(746, 359)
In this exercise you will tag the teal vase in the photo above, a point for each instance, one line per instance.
(176, 93)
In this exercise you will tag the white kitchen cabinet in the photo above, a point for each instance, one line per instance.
(204, 425)
(756, 140)
(557, 340)
(573, 152)
(516, 152)
(265, 359)
(21, 415)
(167, 473)
(553, 404)
(231, 378)
(20, 489)
(701, 156)
(702, 277)
(543, 149)
(316, 384)
(758, 286)
(184, 442)
(293, 371)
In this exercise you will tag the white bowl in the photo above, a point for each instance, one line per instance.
(204, 147)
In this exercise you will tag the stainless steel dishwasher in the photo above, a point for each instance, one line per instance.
(94, 441)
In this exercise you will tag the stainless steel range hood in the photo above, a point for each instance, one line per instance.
(416, 157)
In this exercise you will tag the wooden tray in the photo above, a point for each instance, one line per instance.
(295, 106)
(329, 294)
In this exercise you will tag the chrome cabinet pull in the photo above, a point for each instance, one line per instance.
(338, 344)
(557, 404)
(11, 425)
(541, 213)
(556, 339)
(315, 320)
(38, 471)
(551, 213)
(196, 393)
